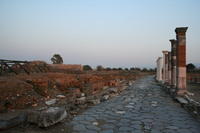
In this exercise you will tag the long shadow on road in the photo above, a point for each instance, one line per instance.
(142, 108)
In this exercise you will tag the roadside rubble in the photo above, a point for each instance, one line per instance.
(186, 101)
(51, 98)
(49, 115)
(189, 104)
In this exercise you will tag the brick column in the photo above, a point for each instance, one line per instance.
(159, 69)
(181, 59)
(173, 58)
(169, 69)
(165, 66)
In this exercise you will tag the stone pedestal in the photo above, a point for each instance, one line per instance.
(181, 59)
(159, 69)
(173, 62)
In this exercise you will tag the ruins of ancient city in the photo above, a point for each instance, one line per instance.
(99, 66)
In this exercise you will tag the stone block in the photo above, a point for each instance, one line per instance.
(47, 117)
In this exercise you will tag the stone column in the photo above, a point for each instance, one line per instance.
(165, 66)
(173, 58)
(159, 69)
(181, 59)
(169, 69)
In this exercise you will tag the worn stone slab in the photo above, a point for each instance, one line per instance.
(47, 117)
(12, 121)
(144, 107)
(181, 100)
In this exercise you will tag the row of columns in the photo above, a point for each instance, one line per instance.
(171, 68)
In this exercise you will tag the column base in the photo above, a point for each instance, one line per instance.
(181, 92)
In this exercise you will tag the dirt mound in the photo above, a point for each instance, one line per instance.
(16, 94)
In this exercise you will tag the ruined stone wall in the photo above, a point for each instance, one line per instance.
(60, 67)
(193, 78)
(22, 91)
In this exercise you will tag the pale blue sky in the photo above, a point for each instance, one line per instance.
(116, 33)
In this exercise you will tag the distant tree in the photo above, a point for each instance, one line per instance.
(138, 69)
(126, 69)
(190, 67)
(87, 68)
(114, 69)
(57, 59)
(120, 68)
(152, 70)
(108, 69)
(144, 70)
(132, 68)
(99, 68)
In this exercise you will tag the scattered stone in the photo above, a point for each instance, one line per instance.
(154, 103)
(105, 87)
(51, 102)
(34, 105)
(113, 90)
(94, 101)
(82, 94)
(120, 112)
(105, 97)
(95, 123)
(181, 100)
(47, 117)
(60, 96)
(129, 106)
(189, 93)
(81, 100)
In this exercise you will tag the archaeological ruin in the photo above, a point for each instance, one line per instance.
(173, 68)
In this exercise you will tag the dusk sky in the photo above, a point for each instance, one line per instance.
(115, 33)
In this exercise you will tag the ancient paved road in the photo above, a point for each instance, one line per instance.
(142, 108)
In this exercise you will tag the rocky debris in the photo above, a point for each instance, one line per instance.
(51, 102)
(94, 101)
(60, 96)
(181, 100)
(189, 93)
(186, 101)
(120, 112)
(113, 116)
(154, 103)
(78, 90)
(112, 90)
(95, 123)
(105, 97)
(82, 94)
(24, 91)
(12, 121)
(47, 117)
(81, 100)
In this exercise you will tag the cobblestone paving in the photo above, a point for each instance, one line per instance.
(142, 108)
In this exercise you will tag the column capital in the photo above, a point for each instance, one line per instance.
(172, 41)
(181, 30)
(165, 52)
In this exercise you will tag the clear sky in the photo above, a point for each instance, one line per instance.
(115, 33)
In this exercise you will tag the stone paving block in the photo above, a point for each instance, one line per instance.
(132, 112)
